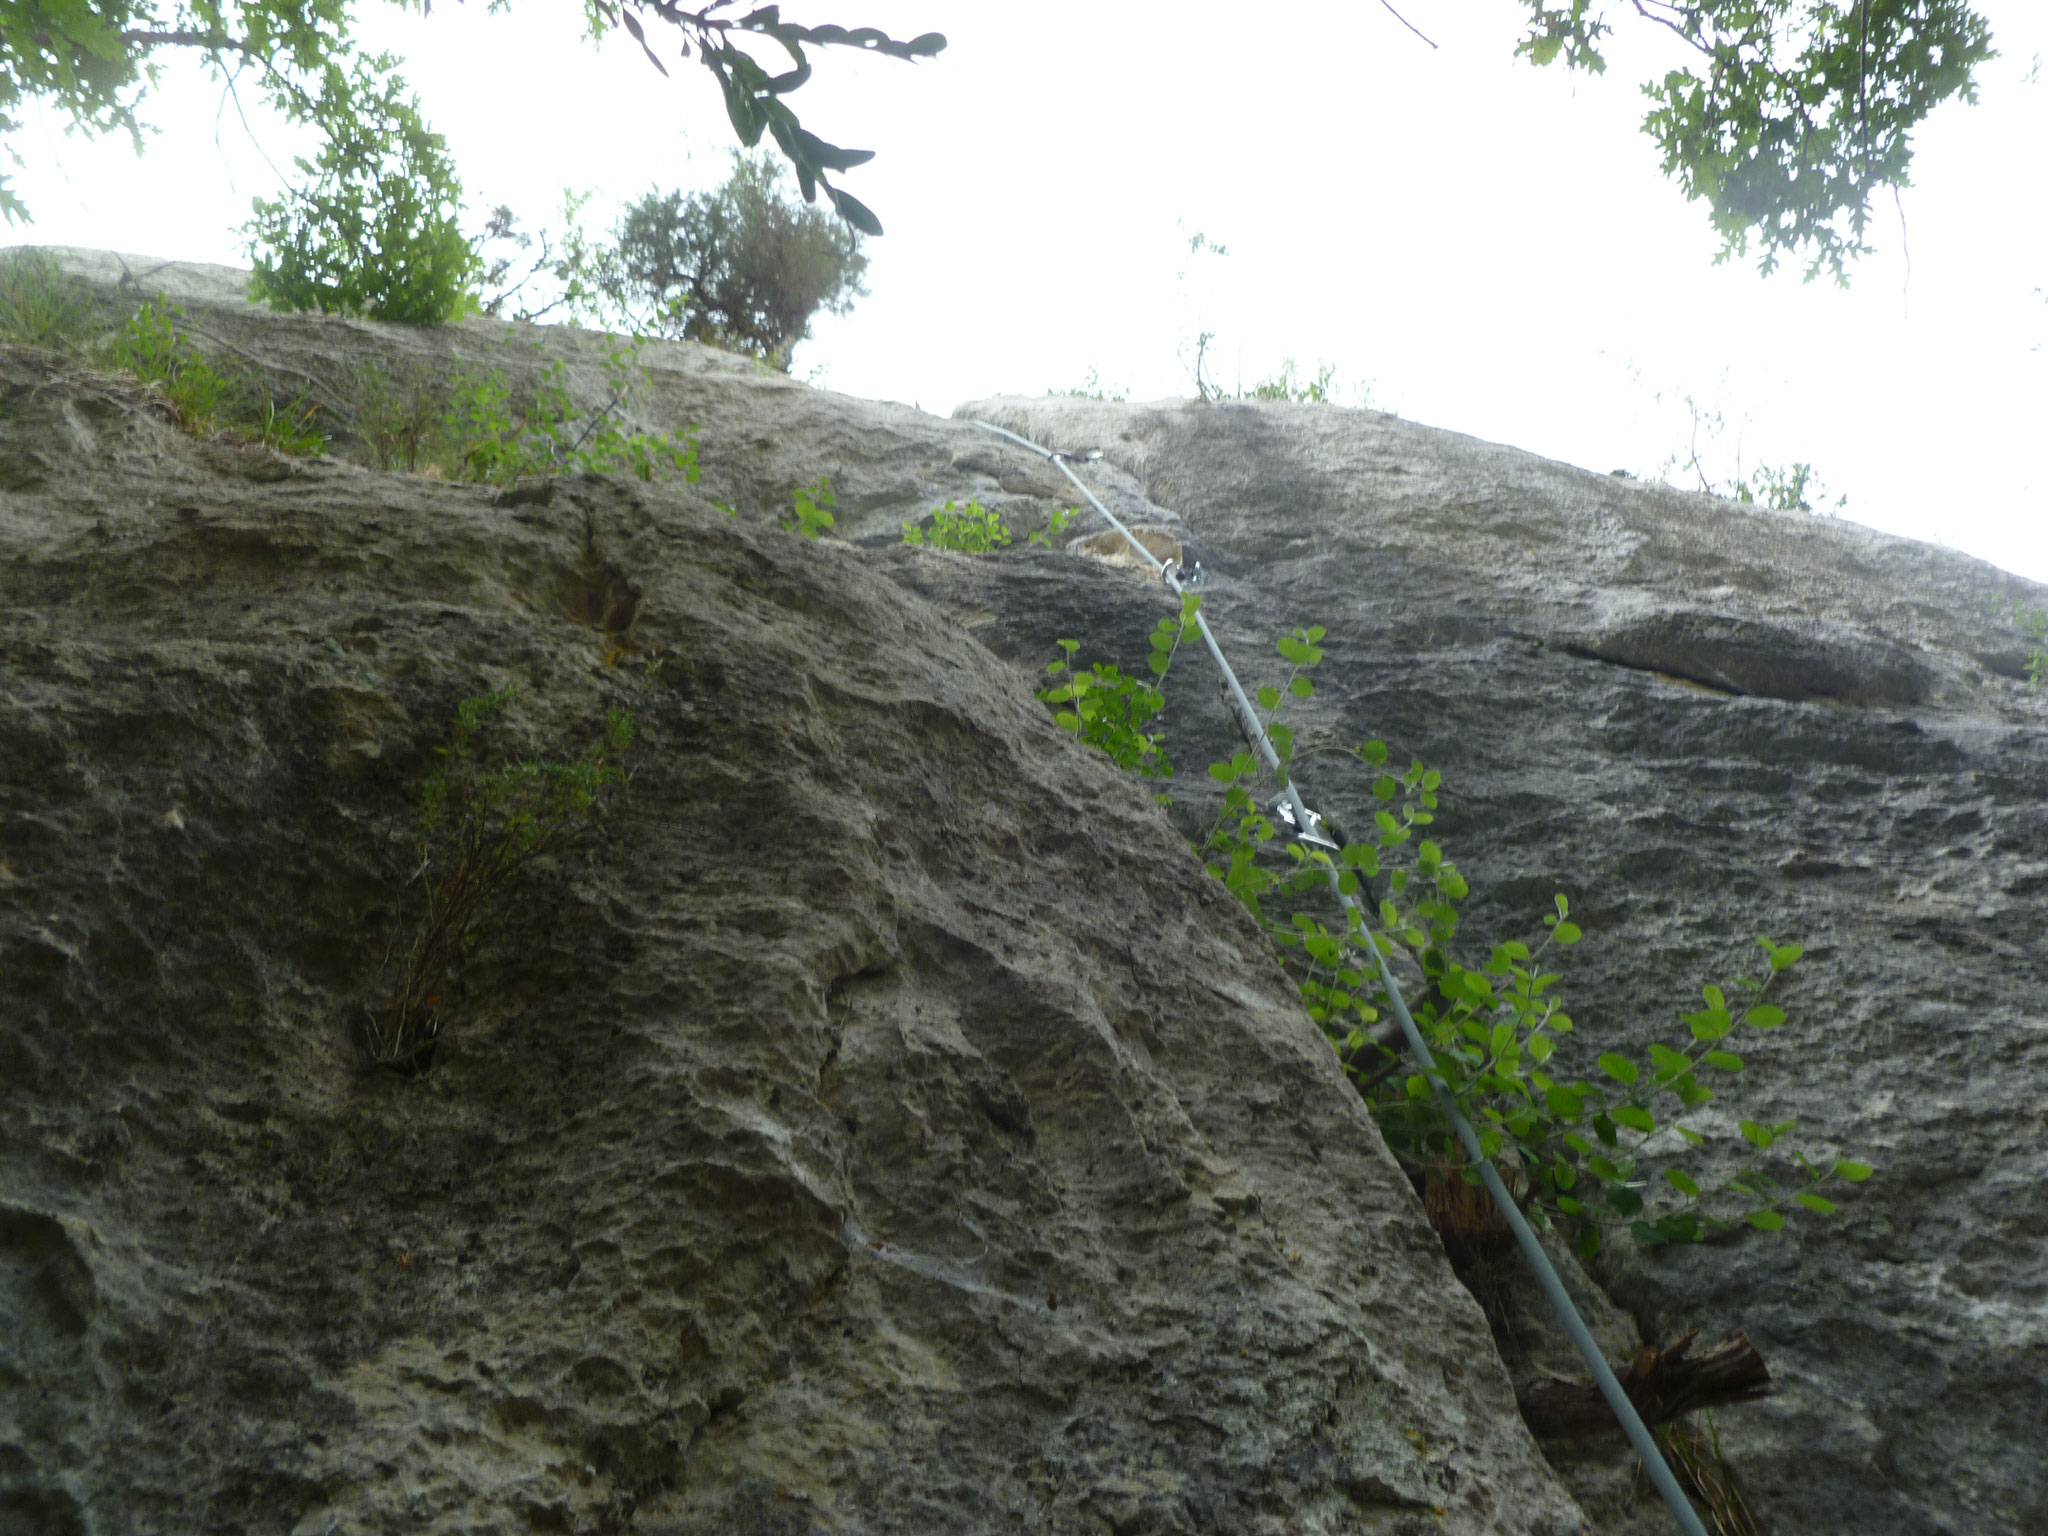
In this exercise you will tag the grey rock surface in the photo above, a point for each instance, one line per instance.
(1703, 721)
(878, 1124)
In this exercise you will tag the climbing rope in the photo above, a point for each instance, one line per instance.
(1306, 821)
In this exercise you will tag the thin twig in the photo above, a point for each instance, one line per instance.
(333, 401)
(1667, 22)
(1405, 21)
(1905, 247)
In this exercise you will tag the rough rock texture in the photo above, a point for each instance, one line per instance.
(1012, 1045)
(879, 1124)
(1704, 722)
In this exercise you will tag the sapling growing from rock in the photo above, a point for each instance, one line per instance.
(1591, 1155)
(478, 830)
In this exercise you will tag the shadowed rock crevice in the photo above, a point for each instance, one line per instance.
(1769, 660)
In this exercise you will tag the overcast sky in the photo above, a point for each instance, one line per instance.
(1473, 242)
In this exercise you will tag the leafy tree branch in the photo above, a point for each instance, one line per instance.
(1795, 113)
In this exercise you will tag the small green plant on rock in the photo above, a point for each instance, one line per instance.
(472, 426)
(1110, 711)
(1054, 527)
(478, 830)
(972, 530)
(42, 306)
(1285, 385)
(1092, 388)
(209, 398)
(2033, 622)
(812, 518)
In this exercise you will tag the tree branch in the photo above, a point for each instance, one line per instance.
(213, 42)
(1662, 1383)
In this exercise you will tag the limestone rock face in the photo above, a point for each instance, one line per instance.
(877, 1123)
(880, 1123)
(1704, 722)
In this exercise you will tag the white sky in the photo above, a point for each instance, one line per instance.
(1486, 245)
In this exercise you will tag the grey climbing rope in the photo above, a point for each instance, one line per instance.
(1546, 1273)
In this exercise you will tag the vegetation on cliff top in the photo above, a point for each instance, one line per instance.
(1787, 119)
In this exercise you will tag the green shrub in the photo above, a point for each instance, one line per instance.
(41, 305)
(373, 231)
(2034, 623)
(1054, 527)
(811, 517)
(478, 830)
(472, 427)
(1783, 490)
(972, 529)
(209, 398)
(1092, 388)
(1110, 711)
(743, 266)
(1578, 1152)
(1285, 386)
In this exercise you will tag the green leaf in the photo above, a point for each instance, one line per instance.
(1301, 687)
(1269, 697)
(1854, 1173)
(1691, 1137)
(1758, 1136)
(1817, 1203)
(1764, 1221)
(1710, 1025)
(1683, 1182)
(1764, 1016)
(1667, 1062)
(1566, 933)
(1636, 1118)
(1781, 957)
(1619, 1067)
(1362, 857)
(1565, 1103)
(854, 211)
(1726, 1061)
